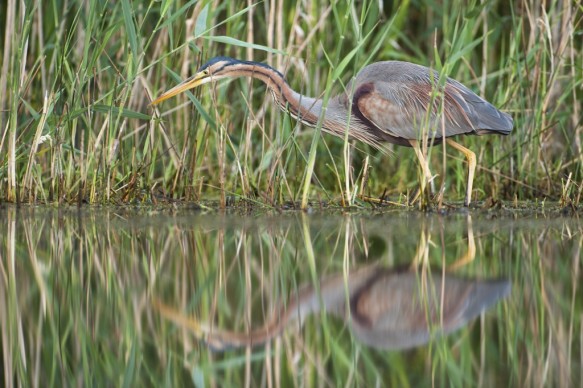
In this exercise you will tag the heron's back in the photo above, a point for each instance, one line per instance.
(395, 97)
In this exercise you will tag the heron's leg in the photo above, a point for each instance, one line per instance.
(424, 165)
(422, 255)
(471, 157)
(471, 253)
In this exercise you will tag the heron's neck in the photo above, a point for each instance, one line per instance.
(336, 118)
(303, 108)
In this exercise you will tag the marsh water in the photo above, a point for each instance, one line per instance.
(181, 296)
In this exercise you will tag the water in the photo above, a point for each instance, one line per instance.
(182, 296)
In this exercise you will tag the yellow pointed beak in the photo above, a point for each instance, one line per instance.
(185, 85)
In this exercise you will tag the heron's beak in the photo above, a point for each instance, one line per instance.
(192, 82)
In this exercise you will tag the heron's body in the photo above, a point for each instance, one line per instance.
(387, 102)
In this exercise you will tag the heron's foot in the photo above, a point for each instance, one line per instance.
(438, 197)
(382, 200)
(415, 197)
(423, 196)
(426, 191)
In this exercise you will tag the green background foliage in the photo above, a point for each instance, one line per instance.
(77, 78)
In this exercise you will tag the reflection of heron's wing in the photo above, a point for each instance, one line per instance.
(478, 296)
(395, 313)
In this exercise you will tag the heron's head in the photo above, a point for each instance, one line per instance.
(214, 70)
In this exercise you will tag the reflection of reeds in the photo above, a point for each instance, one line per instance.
(76, 290)
(385, 309)
(548, 336)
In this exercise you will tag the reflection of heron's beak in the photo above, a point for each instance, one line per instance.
(192, 82)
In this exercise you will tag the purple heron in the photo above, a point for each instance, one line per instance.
(387, 102)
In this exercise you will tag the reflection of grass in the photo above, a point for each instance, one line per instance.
(76, 292)
(76, 126)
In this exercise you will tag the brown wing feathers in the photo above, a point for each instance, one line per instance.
(392, 99)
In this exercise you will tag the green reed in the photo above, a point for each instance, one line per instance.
(77, 128)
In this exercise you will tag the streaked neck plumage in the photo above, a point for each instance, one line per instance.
(337, 118)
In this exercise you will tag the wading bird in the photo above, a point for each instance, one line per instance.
(388, 102)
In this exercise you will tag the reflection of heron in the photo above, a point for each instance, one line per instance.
(388, 309)
(384, 307)
(387, 102)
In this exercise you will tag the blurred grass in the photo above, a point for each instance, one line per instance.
(76, 126)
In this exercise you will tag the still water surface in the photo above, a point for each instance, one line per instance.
(177, 296)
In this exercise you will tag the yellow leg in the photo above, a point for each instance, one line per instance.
(471, 157)
(424, 165)
(471, 253)
(422, 255)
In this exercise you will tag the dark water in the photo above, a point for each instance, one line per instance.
(177, 296)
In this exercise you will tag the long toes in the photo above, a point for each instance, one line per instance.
(415, 197)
